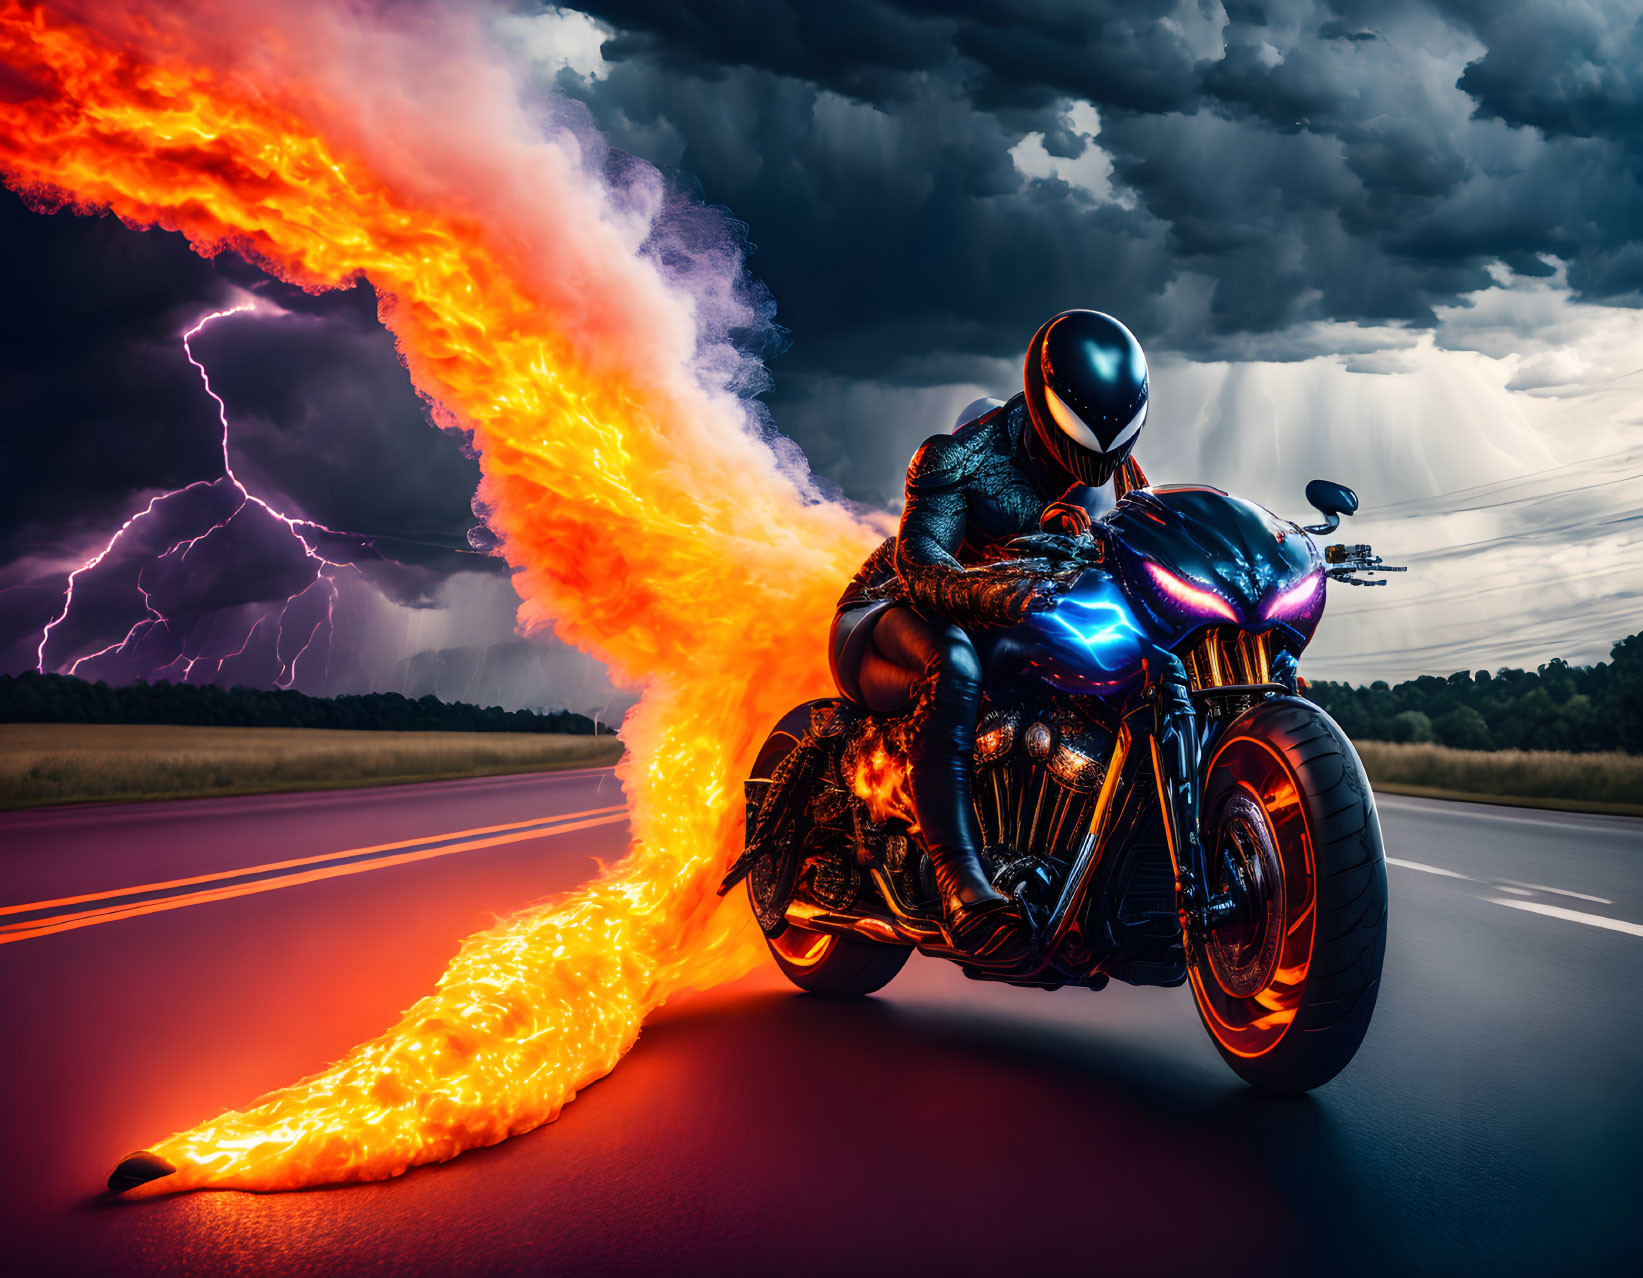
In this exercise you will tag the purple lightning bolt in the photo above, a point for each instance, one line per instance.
(305, 532)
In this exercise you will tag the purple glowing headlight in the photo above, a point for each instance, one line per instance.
(1297, 600)
(1198, 600)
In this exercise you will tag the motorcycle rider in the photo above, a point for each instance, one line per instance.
(914, 626)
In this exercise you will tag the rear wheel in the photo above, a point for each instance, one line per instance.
(819, 962)
(835, 966)
(1287, 987)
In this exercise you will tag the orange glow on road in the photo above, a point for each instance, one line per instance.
(645, 519)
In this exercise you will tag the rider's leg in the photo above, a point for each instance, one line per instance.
(904, 650)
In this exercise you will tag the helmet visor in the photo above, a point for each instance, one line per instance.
(1076, 429)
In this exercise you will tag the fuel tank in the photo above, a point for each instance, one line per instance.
(1181, 559)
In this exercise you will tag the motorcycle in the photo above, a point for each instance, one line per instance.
(1152, 790)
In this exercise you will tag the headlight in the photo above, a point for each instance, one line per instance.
(1200, 601)
(1296, 600)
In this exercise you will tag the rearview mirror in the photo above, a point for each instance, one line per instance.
(1332, 500)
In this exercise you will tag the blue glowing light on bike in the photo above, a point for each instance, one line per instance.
(1090, 641)
(1095, 633)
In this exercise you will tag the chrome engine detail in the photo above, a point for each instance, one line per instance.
(996, 733)
(1037, 780)
(1031, 880)
(1076, 768)
(834, 880)
(1035, 799)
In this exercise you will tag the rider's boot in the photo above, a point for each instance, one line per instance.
(976, 916)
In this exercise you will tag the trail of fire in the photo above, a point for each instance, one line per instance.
(642, 516)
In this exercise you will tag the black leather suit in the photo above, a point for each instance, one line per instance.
(917, 619)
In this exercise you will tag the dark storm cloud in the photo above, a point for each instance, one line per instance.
(103, 412)
(1011, 53)
(1561, 68)
(1574, 73)
(101, 404)
(82, 358)
(888, 237)
(1275, 164)
(324, 416)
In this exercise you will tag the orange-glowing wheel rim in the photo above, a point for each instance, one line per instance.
(801, 947)
(1249, 975)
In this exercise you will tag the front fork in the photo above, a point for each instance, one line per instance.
(1176, 756)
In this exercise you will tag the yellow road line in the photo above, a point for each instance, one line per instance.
(295, 861)
(90, 918)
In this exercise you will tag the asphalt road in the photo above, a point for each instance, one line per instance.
(1492, 1123)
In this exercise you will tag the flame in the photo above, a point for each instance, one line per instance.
(880, 781)
(644, 518)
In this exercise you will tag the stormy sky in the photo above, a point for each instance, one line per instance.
(1391, 243)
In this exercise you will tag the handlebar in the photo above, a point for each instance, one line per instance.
(1061, 554)
(1344, 560)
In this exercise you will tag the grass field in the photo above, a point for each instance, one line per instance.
(43, 763)
(1532, 778)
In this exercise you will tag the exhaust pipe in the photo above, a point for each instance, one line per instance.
(138, 1169)
(926, 938)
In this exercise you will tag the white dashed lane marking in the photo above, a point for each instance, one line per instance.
(1570, 916)
(1426, 869)
(1518, 889)
(1541, 887)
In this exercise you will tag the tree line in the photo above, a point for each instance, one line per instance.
(1554, 707)
(53, 698)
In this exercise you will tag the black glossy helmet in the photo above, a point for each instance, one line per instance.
(1086, 384)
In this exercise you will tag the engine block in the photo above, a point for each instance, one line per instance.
(1038, 770)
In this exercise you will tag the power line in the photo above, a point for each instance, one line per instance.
(1629, 453)
(1518, 584)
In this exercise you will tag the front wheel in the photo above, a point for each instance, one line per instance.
(1287, 986)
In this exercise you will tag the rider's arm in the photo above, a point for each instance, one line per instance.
(932, 530)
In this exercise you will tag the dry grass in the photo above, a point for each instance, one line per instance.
(44, 763)
(1598, 782)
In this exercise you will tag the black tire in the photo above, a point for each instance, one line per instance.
(818, 962)
(1288, 1009)
(835, 966)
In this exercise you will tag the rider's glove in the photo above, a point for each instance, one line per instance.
(1065, 517)
(1024, 586)
(991, 594)
(1030, 594)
